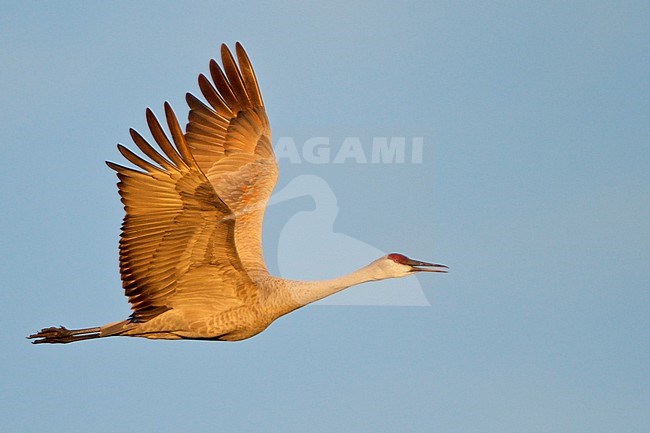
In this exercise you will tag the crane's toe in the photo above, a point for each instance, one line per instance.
(52, 334)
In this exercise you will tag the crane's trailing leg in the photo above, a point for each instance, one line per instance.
(64, 335)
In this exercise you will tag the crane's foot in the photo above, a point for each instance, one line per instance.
(63, 335)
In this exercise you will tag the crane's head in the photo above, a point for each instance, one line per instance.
(397, 265)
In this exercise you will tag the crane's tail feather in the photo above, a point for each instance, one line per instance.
(63, 335)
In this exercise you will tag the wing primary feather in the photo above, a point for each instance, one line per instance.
(196, 104)
(198, 108)
(177, 136)
(122, 170)
(226, 91)
(135, 159)
(162, 140)
(113, 166)
(233, 74)
(248, 74)
(213, 97)
(146, 148)
(203, 117)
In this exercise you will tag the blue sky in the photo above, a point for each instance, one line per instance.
(533, 188)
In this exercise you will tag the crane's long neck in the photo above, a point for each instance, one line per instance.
(306, 292)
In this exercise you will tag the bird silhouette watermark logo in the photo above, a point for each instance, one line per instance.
(310, 233)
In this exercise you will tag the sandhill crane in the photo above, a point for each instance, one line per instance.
(190, 249)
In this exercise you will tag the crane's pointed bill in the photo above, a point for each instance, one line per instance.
(418, 266)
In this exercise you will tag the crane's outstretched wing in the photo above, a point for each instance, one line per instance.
(231, 138)
(178, 246)
(177, 243)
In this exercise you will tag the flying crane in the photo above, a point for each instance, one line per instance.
(190, 250)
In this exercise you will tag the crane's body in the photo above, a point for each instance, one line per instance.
(191, 257)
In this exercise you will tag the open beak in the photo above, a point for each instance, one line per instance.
(417, 266)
